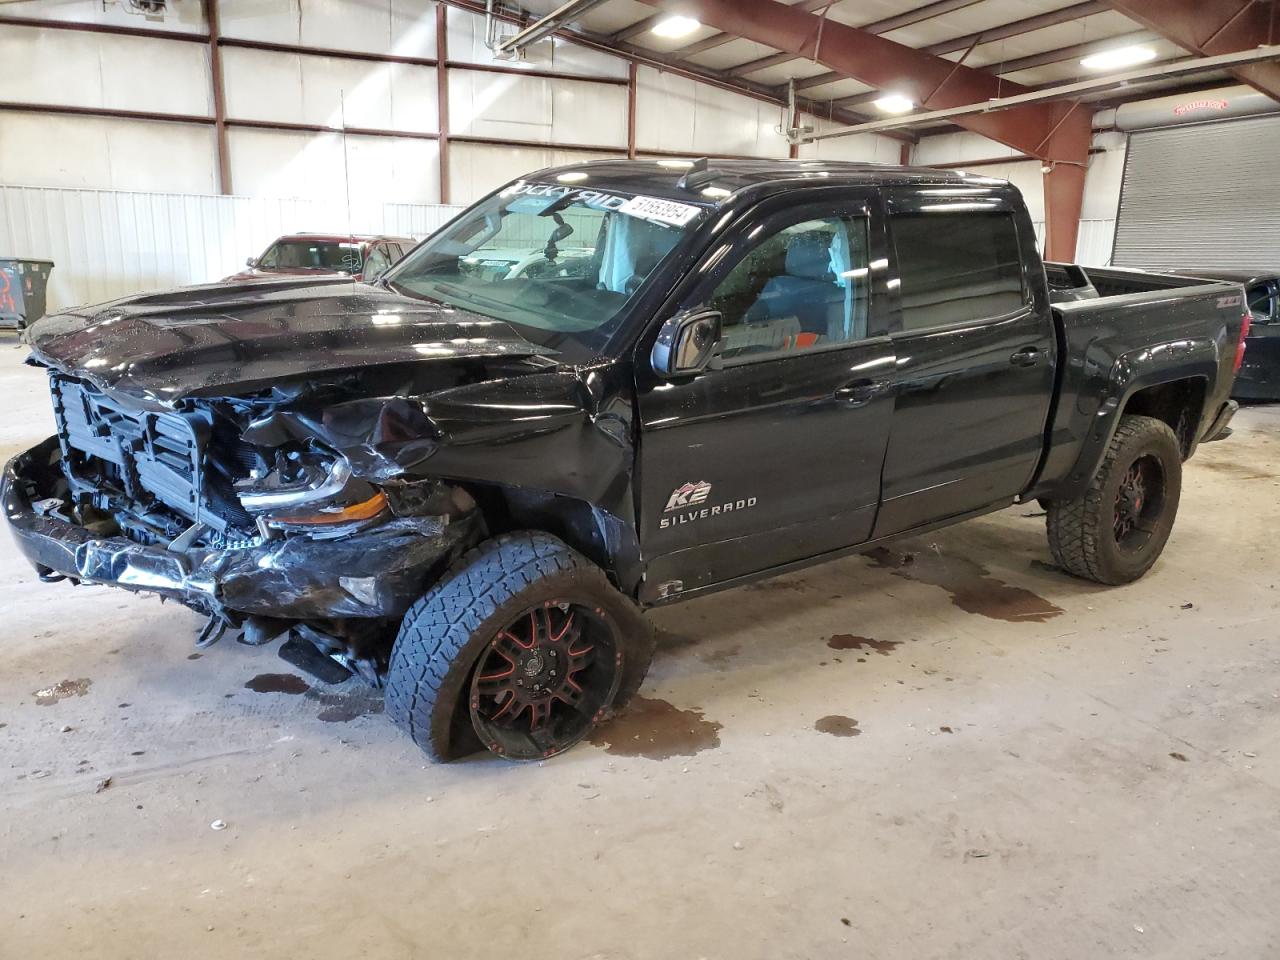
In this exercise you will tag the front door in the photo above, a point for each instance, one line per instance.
(776, 456)
(975, 353)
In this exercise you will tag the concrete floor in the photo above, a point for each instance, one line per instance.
(968, 755)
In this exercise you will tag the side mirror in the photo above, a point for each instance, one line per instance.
(687, 344)
(251, 261)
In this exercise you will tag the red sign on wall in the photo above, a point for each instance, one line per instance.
(1204, 104)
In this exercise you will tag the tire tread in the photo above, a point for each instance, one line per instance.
(428, 664)
(1076, 527)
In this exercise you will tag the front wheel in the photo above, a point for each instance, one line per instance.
(1118, 528)
(523, 645)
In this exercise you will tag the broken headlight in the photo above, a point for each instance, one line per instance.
(307, 488)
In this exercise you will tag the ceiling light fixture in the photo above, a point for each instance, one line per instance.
(675, 27)
(894, 103)
(1119, 58)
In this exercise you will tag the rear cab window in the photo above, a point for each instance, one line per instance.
(958, 260)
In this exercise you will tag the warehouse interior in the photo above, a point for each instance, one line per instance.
(945, 747)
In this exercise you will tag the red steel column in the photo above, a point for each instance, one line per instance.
(1068, 142)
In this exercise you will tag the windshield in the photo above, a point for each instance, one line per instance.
(560, 263)
(330, 255)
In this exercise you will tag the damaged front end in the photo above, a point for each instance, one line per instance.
(283, 536)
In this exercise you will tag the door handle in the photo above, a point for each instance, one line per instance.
(857, 392)
(1026, 357)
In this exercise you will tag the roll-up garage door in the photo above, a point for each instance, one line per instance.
(1206, 195)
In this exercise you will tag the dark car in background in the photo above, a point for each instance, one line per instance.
(1259, 375)
(316, 254)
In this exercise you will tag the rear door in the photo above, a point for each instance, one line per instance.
(975, 354)
(776, 457)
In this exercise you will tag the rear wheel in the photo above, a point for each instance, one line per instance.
(524, 646)
(1118, 528)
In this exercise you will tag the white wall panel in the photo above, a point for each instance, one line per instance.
(328, 167)
(476, 169)
(61, 151)
(466, 45)
(108, 244)
(507, 106)
(183, 17)
(101, 70)
(957, 148)
(1093, 245)
(674, 113)
(1106, 173)
(401, 27)
(863, 148)
(293, 88)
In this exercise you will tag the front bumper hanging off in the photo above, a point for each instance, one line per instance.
(375, 572)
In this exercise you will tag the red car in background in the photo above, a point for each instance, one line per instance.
(305, 254)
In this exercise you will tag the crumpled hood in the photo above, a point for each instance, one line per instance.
(221, 339)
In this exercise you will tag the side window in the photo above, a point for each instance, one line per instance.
(803, 287)
(955, 267)
(375, 263)
(395, 252)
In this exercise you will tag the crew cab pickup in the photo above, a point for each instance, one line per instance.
(464, 484)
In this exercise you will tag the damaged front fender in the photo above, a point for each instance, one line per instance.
(545, 431)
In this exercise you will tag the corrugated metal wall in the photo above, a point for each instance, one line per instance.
(111, 243)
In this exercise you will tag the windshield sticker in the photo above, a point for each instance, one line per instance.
(646, 208)
(664, 211)
(554, 191)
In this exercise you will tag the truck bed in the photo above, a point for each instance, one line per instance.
(1146, 329)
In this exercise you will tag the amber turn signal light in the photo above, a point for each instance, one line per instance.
(366, 510)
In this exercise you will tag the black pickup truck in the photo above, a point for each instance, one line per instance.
(601, 388)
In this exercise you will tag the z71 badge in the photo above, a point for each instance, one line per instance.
(689, 500)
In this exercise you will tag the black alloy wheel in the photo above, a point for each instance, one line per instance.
(1139, 504)
(544, 680)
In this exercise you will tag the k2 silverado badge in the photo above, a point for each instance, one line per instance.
(688, 502)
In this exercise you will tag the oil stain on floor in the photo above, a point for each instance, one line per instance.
(657, 730)
(62, 690)
(278, 683)
(971, 586)
(838, 726)
(338, 705)
(847, 641)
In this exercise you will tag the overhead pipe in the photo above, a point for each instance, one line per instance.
(508, 48)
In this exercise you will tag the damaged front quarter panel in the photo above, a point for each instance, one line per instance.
(548, 431)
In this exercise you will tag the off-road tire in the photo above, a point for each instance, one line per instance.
(444, 633)
(1081, 536)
